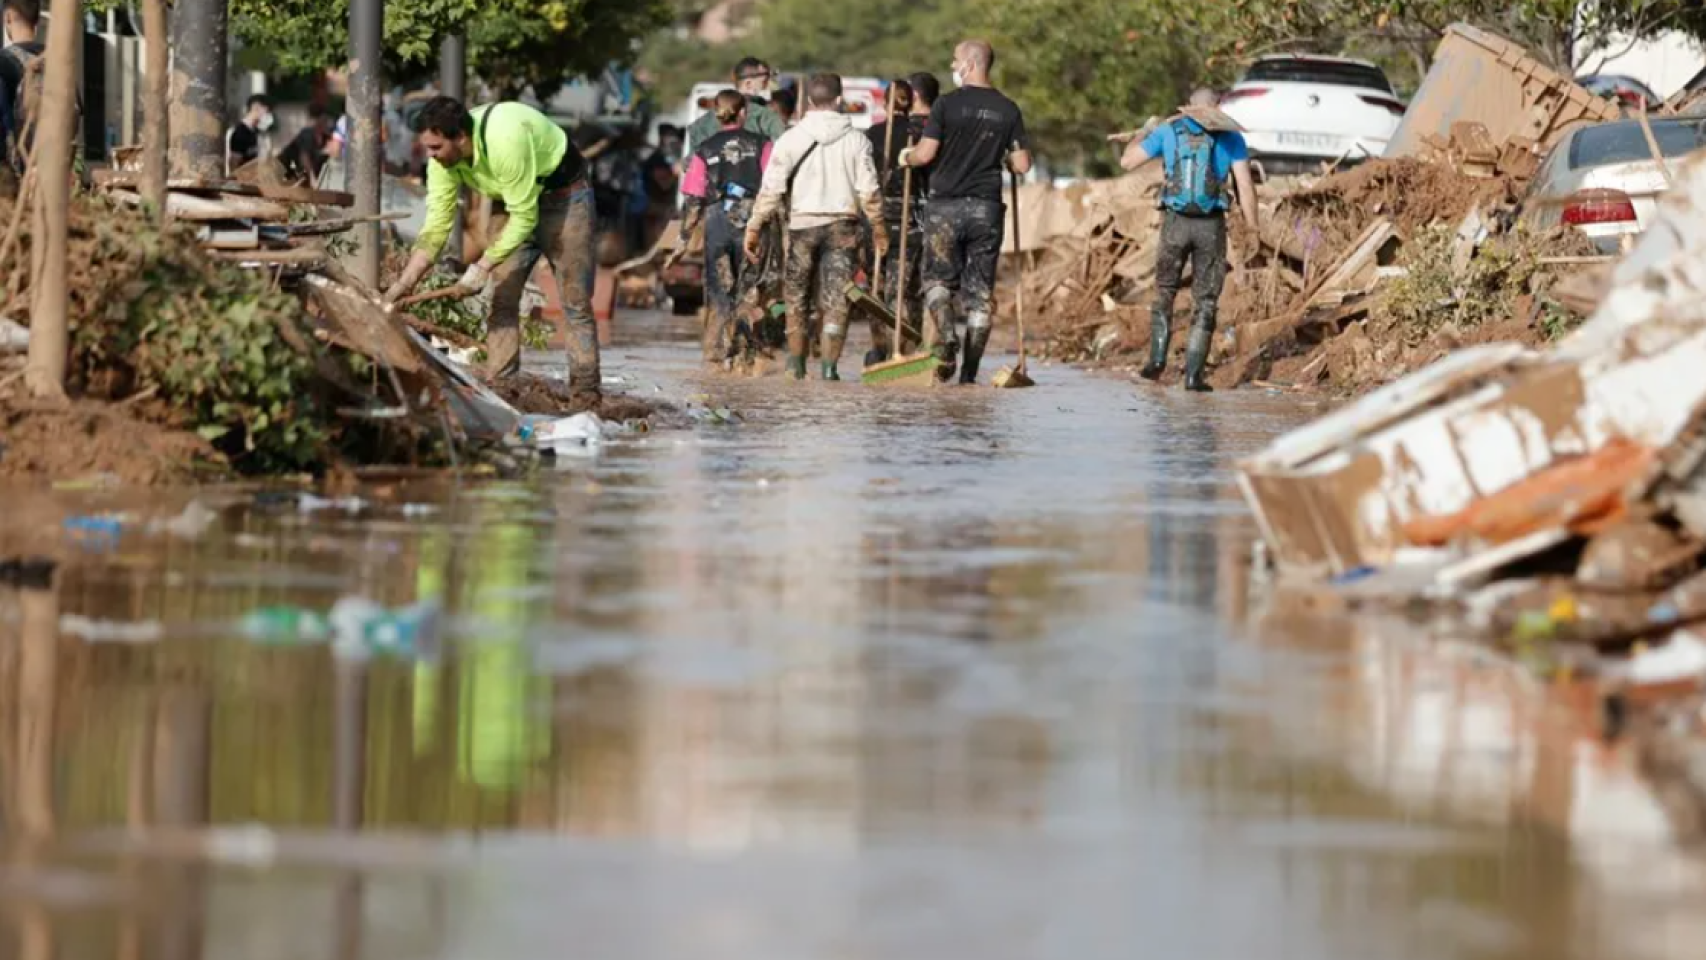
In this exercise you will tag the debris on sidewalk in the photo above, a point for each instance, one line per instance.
(1358, 275)
(233, 343)
(1552, 501)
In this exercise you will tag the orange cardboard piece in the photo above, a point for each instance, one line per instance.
(1582, 493)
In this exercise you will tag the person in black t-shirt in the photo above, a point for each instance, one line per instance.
(972, 135)
(306, 154)
(243, 140)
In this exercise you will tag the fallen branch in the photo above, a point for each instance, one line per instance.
(14, 229)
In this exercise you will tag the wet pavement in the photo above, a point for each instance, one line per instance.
(862, 674)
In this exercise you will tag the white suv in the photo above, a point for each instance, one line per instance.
(1301, 111)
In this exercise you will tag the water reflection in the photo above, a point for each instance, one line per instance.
(873, 674)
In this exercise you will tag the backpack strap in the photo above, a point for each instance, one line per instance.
(480, 128)
(794, 173)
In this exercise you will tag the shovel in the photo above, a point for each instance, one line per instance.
(1015, 376)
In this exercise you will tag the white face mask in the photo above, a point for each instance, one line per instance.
(959, 79)
(265, 123)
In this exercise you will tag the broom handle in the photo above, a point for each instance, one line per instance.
(900, 264)
(883, 171)
(1019, 290)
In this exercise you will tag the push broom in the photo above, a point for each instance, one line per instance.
(919, 365)
(1015, 376)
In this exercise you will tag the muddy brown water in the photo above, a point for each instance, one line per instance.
(873, 674)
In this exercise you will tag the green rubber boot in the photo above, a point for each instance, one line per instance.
(797, 367)
(1160, 338)
(1196, 357)
(977, 339)
(829, 371)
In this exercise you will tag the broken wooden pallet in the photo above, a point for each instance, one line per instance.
(128, 180)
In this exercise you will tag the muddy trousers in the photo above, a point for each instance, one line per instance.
(1202, 241)
(564, 236)
(962, 244)
(725, 263)
(882, 333)
(821, 262)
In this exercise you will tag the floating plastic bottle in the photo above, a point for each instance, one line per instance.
(362, 628)
(285, 625)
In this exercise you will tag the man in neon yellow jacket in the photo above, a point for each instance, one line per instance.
(520, 158)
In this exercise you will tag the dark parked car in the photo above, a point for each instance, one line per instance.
(1632, 94)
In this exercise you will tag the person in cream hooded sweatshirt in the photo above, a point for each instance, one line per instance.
(823, 172)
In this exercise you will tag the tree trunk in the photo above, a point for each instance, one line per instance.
(50, 298)
(363, 156)
(200, 33)
(155, 108)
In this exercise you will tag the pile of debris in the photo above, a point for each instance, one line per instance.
(235, 339)
(255, 223)
(1555, 500)
(1310, 294)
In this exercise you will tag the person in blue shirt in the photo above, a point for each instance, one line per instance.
(1200, 164)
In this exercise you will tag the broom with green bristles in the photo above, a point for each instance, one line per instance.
(1008, 378)
(919, 365)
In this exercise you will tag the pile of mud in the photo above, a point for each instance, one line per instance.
(547, 396)
(87, 441)
(1308, 303)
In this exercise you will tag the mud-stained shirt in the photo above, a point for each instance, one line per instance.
(977, 127)
(516, 150)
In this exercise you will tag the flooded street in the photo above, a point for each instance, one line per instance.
(902, 675)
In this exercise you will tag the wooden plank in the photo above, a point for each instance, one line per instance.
(197, 209)
(222, 237)
(321, 228)
(289, 257)
(1344, 274)
(124, 179)
(360, 323)
(318, 198)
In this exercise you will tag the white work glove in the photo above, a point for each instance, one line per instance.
(905, 158)
(475, 277)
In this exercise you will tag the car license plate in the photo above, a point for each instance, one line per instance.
(1310, 141)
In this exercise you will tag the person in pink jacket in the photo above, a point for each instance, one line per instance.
(724, 176)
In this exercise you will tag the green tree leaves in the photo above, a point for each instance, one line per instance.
(513, 44)
(304, 36)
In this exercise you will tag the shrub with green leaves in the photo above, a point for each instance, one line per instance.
(1432, 294)
(207, 338)
(468, 316)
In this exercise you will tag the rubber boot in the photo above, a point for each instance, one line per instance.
(1160, 339)
(939, 324)
(1196, 357)
(829, 372)
(796, 367)
(977, 338)
(948, 354)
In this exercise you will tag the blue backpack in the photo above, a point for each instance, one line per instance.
(1194, 186)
